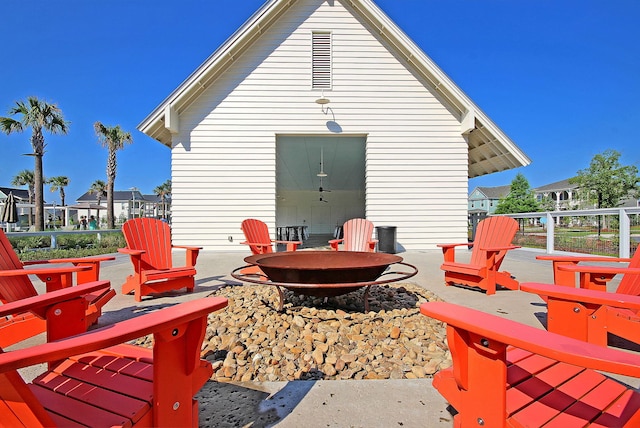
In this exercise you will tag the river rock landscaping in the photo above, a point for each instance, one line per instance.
(315, 339)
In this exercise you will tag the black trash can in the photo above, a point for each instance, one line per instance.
(386, 239)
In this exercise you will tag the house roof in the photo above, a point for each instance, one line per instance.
(494, 192)
(22, 195)
(118, 195)
(490, 149)
(557, 186)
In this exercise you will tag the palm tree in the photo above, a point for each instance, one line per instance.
(163, 191)
(58, 184)
(113, 138)
(98, 188)
(25, 178)
(39, 116)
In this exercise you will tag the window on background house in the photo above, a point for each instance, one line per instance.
(321, 60)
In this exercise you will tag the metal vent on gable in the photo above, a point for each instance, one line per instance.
(321, 60)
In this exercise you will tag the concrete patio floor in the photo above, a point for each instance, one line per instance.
(335, 403)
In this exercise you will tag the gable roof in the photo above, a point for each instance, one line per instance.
(118, 195)
(490, 150)
(557, 186)
(494, 192)
(22, 195)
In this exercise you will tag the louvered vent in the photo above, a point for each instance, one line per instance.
(321, 61)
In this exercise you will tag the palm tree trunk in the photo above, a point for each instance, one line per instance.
(39, 192)
(110, 210)
(63, 217)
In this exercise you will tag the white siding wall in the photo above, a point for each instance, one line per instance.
(223, 160)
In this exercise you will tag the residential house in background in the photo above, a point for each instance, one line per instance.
(155, 207)
(315, 95)
(558, 196)
(126, 204)
(484, 200)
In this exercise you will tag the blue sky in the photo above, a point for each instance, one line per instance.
(561, 78)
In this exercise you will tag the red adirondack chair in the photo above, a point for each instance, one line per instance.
(591, 314)
(507, 374)
(357, 234)
(258, 239)
(15, 286)
(149, 245)
(492, 241)
(97, 379)
(595, 277)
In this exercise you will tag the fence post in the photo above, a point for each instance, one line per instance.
(625, 234)
(550, 233)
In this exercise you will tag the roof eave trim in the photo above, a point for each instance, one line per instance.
(438, 78)
(227, 51)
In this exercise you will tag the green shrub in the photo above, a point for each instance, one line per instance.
(68, 245)
(110, 240)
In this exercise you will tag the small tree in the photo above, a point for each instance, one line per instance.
(113, 138)
(99, 189)
(520, 199)
(26, 178)
(163, 191)
(58, 184)
(606, 183)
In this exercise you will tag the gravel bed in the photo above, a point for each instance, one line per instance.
(316, 338)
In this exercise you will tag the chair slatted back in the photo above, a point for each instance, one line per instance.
(17, 287)
(257, 232)
(357, 233)
(154, 237)
(630, 284)
(493, 232)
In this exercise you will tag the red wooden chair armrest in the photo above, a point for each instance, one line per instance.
(286, 242)
(494, 329)
(583, 295)
(256, 244)
(445, 246)
(39, 304)
(186, 247)
(496, 249)
(448, 251)
(71, 260)
(162, 321)
(44, 271)
(577, 259)
(599, 269)
(335, 243)
(191, 253)
(130, 252)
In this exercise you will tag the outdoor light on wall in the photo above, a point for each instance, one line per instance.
(323, 101)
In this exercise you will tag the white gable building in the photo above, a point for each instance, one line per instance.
(251, 130)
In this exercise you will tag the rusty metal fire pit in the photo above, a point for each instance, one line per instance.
(323, 273)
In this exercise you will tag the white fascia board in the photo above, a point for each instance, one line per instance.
(227, 51)
(438, 78)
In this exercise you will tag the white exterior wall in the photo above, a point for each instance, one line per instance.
(223, 158)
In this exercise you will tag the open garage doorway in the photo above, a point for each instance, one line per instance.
(320, 183)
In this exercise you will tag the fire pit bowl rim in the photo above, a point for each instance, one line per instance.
(323, 266)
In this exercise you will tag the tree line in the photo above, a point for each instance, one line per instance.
(40, 116)
(604, 184)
